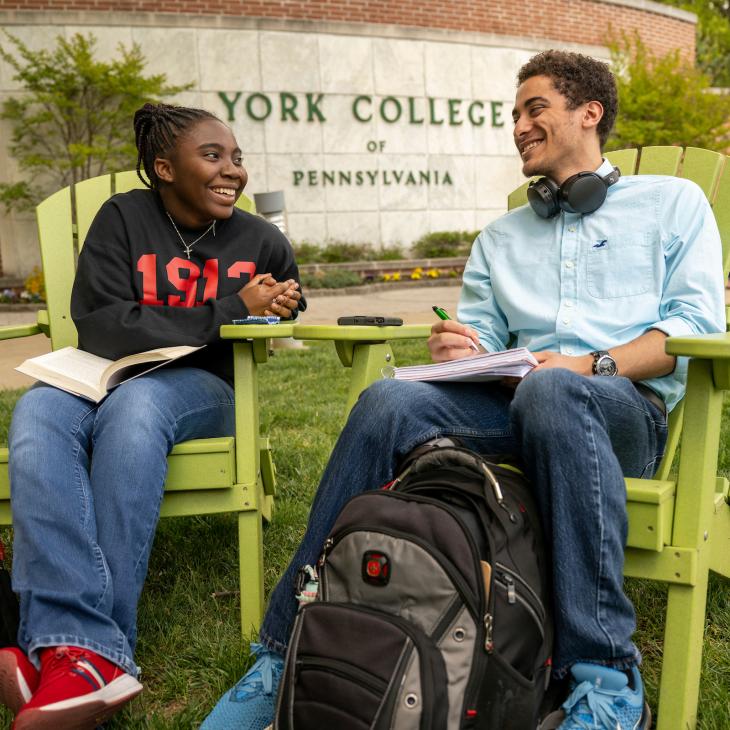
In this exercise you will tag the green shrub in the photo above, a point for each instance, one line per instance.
(389, 253)
(338, 252)
(444, 244)
(664, 100)
(330, 280)
(307, 253)
(333, 252)
(433, 245)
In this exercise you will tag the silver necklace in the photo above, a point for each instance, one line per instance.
(189, 246)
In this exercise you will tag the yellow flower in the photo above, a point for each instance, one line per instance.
(35, 283)
(433, 273)
(396, 276)
(415, 274)
(386, 277)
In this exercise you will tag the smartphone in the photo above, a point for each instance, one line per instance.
(371, 320)
(257, 320)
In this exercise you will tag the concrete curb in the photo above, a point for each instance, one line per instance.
(7, 307)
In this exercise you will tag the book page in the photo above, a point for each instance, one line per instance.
(487, 366)
(131, 366)
(69, 364)
(91, 376)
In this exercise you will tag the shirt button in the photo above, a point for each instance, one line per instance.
(568, 264)
(568, 304)
(566, 321)
(568, 350)
(571, 229)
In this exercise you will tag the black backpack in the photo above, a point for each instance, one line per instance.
(433, 609)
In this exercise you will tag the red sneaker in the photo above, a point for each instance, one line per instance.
(18, 678)
(78, 690)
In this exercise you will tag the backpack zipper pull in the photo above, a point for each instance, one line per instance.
(495, 484)
(399, 478)
(489, 628)
(328, 543)
(511, 594)
(497, 491)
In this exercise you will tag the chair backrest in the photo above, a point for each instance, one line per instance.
(64, 219)
(712, 173)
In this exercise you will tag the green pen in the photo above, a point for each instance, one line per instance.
(443, 314)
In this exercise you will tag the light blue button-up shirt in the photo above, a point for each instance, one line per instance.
(649, 258)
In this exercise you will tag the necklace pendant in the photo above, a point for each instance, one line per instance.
(189, 246)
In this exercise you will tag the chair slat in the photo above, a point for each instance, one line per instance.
(660, 160)
(625, 160)
(703, 167)
(55, 232)
(90, 194)
(721, 207)
(517, 197)
(126, 181)
(245, 203)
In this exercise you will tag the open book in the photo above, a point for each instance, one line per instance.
(514, 363)
(91, 376)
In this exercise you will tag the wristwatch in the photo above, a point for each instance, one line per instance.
(603, 363)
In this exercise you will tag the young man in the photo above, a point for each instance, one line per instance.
(593, 295)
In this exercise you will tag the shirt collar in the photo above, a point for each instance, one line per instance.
(604, 168)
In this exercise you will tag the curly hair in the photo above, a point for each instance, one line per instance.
(579, 79)
(157, 127)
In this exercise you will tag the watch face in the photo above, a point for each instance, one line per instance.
(606, 365)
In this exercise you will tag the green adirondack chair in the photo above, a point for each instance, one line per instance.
(679, 523)
(205, 476)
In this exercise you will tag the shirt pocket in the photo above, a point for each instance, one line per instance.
(621, 267)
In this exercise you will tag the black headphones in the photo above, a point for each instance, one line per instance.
(582, 193)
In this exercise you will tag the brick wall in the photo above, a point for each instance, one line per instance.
(571, 21)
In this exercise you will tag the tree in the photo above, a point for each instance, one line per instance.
(73, 119)
(713, 36)
(665, 100)
(713, 40)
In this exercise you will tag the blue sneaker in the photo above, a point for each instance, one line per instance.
(601, 699)
(251, 703)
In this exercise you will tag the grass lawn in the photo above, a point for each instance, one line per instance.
(190, 648)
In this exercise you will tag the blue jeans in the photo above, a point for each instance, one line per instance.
(577, 438)
(87, 483)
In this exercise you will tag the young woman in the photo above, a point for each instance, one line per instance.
(164, 266)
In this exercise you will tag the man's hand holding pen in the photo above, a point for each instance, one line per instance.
(451, 340)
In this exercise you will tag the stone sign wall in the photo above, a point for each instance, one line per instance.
(376, 134)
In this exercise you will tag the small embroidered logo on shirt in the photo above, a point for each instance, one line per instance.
(601, 243)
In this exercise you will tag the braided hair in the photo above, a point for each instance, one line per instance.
(157, 127)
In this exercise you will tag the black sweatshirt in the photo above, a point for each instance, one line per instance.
(136, 290)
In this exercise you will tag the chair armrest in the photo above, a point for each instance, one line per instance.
(702, 347)
(347, 337)
(41, 326)
(21, 330)
(258, 334)
(715, 347)
(256, 331)
(360, 333)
